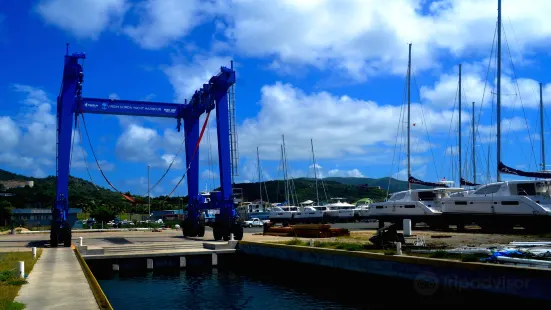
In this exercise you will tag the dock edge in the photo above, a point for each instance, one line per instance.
(99, 295)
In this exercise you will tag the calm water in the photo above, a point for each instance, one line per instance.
(257, 284)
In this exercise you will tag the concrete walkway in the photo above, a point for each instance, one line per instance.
(57, 282)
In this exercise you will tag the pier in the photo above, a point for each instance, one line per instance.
(57, 282)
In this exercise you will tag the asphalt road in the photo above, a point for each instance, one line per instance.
(349, 226)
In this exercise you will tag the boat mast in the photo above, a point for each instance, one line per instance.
(498, 88)
(287, 182)
(541, 132)
(284, 176)
(474, 153)
(460, 175)
(315, 172)
(259, 175)
(409, 110)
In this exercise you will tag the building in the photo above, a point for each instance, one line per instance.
(39, 217)
(16, 184)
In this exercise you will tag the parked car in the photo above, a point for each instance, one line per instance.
(254, 222)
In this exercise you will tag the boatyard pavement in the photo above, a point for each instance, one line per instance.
(57, 282)
(359, 232)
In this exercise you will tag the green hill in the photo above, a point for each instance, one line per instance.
(306, 189)
(84, 194)
(395, 185)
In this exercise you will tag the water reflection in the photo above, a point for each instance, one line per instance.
(262, 284)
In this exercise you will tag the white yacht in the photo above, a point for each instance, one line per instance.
(340, 211)
(418, 205)
(308, 213)
(282, 214)
(256, 209)
(362, 209)
(502, 205)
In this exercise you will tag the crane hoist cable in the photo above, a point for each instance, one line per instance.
(167, 170)
(192, 156)
(129, 198)
(83, 155)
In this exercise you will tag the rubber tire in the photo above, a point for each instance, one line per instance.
(237, 231)
(67, 236)
(188, 229)
(53, 235)
(216, 232)
(201, 229)
(250, 226)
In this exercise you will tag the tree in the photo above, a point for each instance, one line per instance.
(5, 212)
(103, 213)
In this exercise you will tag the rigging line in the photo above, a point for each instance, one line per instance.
(520, 97)
(83, 156)
(477, 133)
(398, 136)
(94, 154)
(394, 150)
(450, 129)
(192, 156)
(167, 170)
(426, 129)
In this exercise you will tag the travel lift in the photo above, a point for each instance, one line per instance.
(213, 95)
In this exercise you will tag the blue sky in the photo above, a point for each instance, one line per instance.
(332, 71)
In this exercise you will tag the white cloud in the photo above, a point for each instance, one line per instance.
(370, 37)
(208, 174)
(80, 159)
(188, 76)
(9, 133)
(84, 18)
(138, 144)
(418, 173)
(301, 116)
(515, 94)
(354, 173)
(28, 138)
(161, 22)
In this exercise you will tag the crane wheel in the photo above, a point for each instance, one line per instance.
(237, 231)
(67, 236)
(53, 235)
(201, 229)
(216, 232)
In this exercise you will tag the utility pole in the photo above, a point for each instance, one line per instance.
(541, 132)
(409, 113)
(148, 194)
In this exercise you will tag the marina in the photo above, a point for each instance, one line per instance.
(277, 231)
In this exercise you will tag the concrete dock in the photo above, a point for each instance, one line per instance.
(57, 282)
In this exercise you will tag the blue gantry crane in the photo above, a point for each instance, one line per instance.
(213, 95)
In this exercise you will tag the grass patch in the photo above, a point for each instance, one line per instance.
(339, 245)
(368, 247)
(10, 283)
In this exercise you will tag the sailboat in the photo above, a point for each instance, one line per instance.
(417, 205)
(284, 212)
(503, 204)
(308, 211)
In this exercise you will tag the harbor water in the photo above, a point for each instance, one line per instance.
(258, 283)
